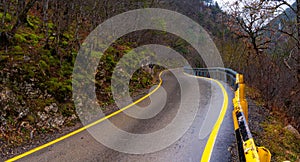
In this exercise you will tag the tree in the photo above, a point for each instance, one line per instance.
(21, 19)
(292, 62)
(276, 76)
(248, 21)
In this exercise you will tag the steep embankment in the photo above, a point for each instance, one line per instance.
(35, 78)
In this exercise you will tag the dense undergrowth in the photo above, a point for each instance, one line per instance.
(270, 130)
(36, 80)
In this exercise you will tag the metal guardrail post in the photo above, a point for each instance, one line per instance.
(241, 94)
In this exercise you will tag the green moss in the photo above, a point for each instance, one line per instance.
(7, 18)
(10, 26)
(145, 80)
(31, 36)
(67, 36)
(50, 25)
(51, 38)
(66, 70)
(39, 104)
(20, 38)
(65, 43)
(43, 65)
(31, 71)
(67, 110)
(33, 22)
(59, 88)
(45, 52)
(48, 58)
(17, 48)
(31, 25)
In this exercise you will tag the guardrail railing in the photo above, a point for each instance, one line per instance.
(247, 149)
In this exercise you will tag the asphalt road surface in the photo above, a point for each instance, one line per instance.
(188, 148)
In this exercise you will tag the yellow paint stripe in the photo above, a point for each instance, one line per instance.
(85, 127)
(213, 135)
(212, 138)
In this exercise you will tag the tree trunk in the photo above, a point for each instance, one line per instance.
(297, 57)
(4, 12)
(22, 18)
(6, 37)
(45, 22)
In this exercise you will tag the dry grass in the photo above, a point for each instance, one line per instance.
(271, 132)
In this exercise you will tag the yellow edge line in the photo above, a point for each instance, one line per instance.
(212, 138)
(85, 127)
(213, 135)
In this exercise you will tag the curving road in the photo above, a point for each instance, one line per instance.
(189, 148)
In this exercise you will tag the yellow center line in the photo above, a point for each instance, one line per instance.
(213, 135)
(85, 127)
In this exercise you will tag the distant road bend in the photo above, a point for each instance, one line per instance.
(189, 148)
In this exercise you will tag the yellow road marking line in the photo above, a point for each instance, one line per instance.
(213, 135)
(212, 138)
(85, 127)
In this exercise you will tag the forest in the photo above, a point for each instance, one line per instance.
(39, 41)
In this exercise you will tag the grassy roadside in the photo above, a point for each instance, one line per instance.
(283, 144)
(270, 130)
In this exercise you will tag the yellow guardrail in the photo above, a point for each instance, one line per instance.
(245, 141)
(247, 150)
